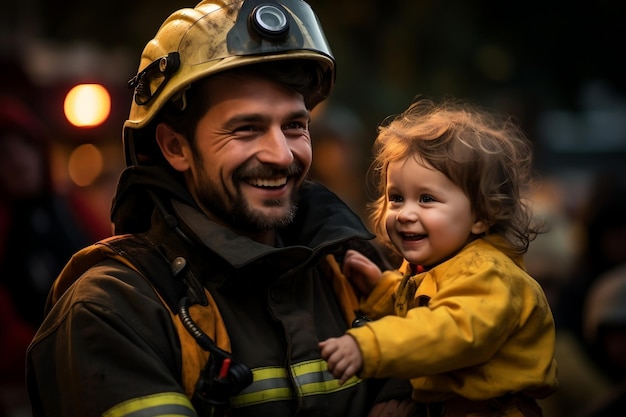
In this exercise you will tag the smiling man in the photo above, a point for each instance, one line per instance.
(220, 282)
(251, 152)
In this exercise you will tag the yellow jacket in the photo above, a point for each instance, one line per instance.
(485, 329)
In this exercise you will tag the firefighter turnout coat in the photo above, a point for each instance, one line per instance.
(113, 343)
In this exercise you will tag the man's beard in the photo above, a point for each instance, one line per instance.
(240, 214)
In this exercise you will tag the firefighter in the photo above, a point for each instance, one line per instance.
(222, 276)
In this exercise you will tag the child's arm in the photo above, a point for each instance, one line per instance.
(343, 356)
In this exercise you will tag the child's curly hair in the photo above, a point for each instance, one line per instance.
(487, 156)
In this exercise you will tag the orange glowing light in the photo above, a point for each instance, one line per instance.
(85, 164)
(87, 105)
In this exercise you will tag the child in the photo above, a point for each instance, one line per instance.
(462, 319)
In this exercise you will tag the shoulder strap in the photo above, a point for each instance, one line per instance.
(148, 260)
(205, 344)
(135, 251)
(143, 256)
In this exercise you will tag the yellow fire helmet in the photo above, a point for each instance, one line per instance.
(215, 36)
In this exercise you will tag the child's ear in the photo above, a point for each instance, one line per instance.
(479, 227)
(172, 146)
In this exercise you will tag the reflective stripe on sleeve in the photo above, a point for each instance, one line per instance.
(172, 404)
(273, 383)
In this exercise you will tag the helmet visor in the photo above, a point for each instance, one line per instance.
(261, 27)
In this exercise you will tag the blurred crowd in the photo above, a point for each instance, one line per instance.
(581, 263)
(42, 223)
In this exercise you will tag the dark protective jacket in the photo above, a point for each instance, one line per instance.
(113, 345)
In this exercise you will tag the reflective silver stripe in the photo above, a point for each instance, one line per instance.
(312, 377)
(268, 384)
(274, 384)
(172, 404)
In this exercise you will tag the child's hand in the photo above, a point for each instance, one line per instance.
(343, 357)
(361, 271)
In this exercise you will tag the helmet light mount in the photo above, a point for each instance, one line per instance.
(160, 70)
(269, 21)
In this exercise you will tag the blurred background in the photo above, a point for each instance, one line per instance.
(554, 65)
(557, 67)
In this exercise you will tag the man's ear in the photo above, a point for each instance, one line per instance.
(172, 146)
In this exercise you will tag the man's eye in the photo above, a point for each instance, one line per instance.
(246, 128)
(295, 125)
(295, 129)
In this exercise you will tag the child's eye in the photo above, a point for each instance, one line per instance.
(427, 199)
(395, 198)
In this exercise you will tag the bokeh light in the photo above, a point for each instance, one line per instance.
(87, 105)
(85, 164)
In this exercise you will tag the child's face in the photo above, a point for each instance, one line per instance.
(428, 218)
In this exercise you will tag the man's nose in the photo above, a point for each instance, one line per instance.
(275, 149)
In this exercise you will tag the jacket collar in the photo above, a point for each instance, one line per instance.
(322, 220)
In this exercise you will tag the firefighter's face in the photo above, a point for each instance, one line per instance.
(252, 152)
